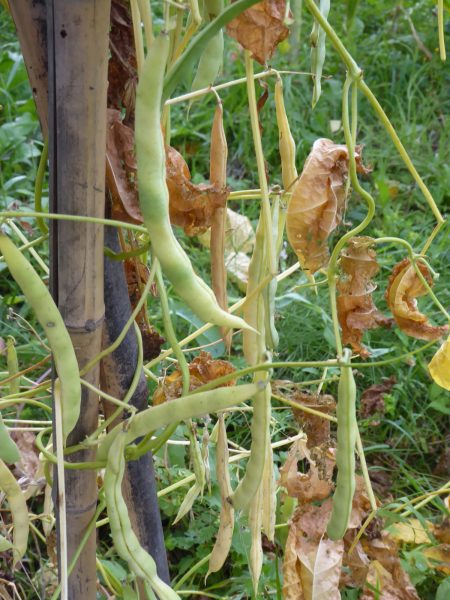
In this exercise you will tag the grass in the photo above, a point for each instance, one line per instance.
(413, 90)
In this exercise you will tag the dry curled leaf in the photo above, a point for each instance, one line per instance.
(403, 288)
(191, 206)
(356, 309)
(121, 179)
(202, 370)
(372, 400)
(317, 202)
(260, 28)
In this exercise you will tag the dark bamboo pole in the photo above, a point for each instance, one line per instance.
(77, 74)
(117, 371)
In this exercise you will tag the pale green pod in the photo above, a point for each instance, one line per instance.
(154, 195)
(345, 455)
(48, 315)
(19, 511)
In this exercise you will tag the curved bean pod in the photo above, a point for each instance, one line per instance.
(180, 409)
(19, 511)
(48, 315)
(154, 195)
(345, 454)
(125, 540)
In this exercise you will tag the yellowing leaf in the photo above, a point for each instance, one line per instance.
(410, 532)
(440, 365)
(438, 557)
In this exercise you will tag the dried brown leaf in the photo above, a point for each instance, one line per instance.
(191, 206)
(317, 202)
(403, 288)
(316, 428)
(122, 66)
(136, 274)
(311, 486)
(387, 573)
(260, 28)
(202, 370)
(372, 399)
(121, 179)
(356, 309)
(29, 454)
(312, 564)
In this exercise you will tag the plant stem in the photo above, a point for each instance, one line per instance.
(356, 73)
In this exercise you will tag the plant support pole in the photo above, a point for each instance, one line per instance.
(77, 75)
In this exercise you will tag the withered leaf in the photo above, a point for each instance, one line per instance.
(372, 399)
(312, 564)
(356, 309)
(202, 370)
(318, 201)
(121, 178)
(403, 288)
(314, 485)
(316, 428)
(122, 66)
(191, 206)
(386, 572)
(260, 28)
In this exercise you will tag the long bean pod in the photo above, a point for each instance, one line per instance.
(48, 315)
(180, 409)
(345, 454)
(125, 540)
(318, 51)
(19, 511)
(211, 59)
(154, 195)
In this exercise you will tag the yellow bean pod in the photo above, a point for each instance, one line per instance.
(226, 525)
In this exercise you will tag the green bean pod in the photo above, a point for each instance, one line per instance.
(13, 365)
(19, 511)
(8, 449)
(345, 454)
(48, 315)
(180, 409)
(271, 333)
(318, 51)
(210, 63)
(125, 540)
(154, 195)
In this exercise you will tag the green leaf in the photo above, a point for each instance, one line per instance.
(4, 544)
(443, 591)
